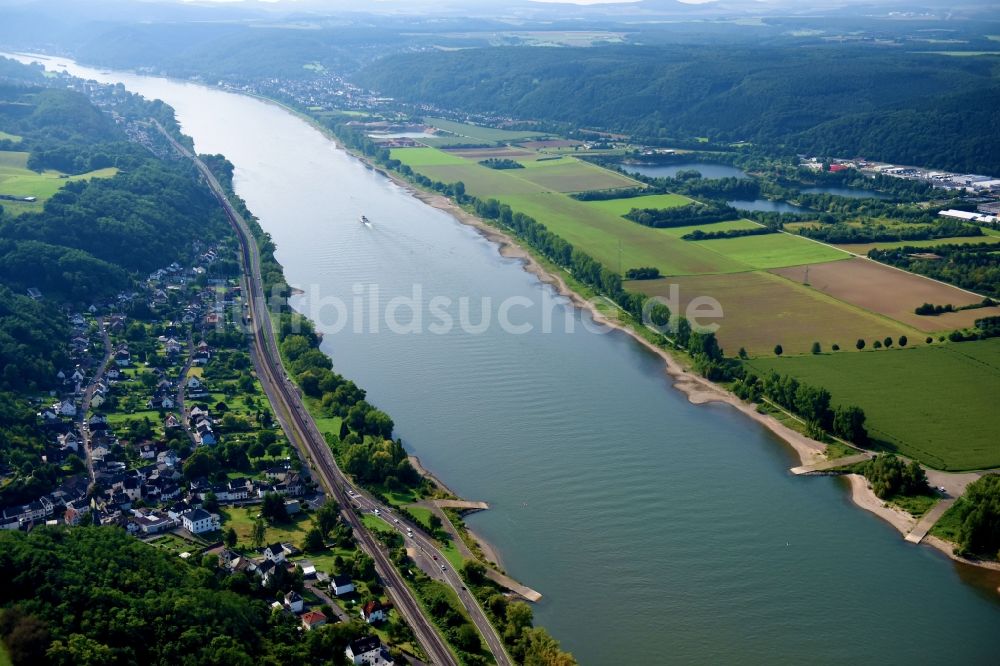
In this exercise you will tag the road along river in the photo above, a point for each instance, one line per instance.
(657, 530)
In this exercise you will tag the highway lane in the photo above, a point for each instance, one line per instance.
(302, 430)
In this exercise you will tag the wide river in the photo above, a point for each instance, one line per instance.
(658, 531)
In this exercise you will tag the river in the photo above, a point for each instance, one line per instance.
(658, 531)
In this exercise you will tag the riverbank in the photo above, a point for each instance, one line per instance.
(697, 389)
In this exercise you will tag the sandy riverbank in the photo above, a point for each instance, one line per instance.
(864, 497)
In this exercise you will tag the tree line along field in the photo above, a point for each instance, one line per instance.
(935, 403)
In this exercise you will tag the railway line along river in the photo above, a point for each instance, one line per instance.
(658, 531)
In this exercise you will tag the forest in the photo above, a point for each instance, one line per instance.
(900, 107)
(95, 596)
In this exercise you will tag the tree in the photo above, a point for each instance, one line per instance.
(929, 340)
(314, 541)
(467, 639)
(474, 572)
(887, 342)
(902, 341)
(778, 351)
(258, 533)
(877, 344)
(816, 349)
(210, 503)
(435, 522)
(849, 424)
(860, 344)
(230, 537)
(256, 449)
(273, 508)
(835, 347)
(743, 353)
(327, 517)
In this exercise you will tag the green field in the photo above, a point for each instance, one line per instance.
(623, 206)
(572, 175)
(597, 226)
(729, 225)
(4, 136)
(482, 134)
(422, 514)
(606, 237)
(241, 519)
(420, 157)
(761, 310)
(773, 250)
(19, 181)
(935, 403)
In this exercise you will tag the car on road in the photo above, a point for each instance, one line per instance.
(376, 512)
(444, 568)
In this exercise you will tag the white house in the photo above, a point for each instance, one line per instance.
(66, 408)
(275, 553)
(197, 521)
(368, 651)
(374, 611)
(341, 584)
(293, 602)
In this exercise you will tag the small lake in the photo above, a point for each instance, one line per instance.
(766, 206)
(706, 169)
(849, 192)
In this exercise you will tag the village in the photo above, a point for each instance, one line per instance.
(159, 428)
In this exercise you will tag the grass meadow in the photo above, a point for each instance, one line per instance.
(935, 403)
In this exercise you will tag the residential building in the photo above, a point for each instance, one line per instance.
(368, 651)
(197, 521)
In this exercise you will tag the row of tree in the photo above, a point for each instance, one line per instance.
(683, 216)
(875, 233)
(811, 403)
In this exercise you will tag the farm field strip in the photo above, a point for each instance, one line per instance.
(894, 293)
(624, 206)
(761, 310)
